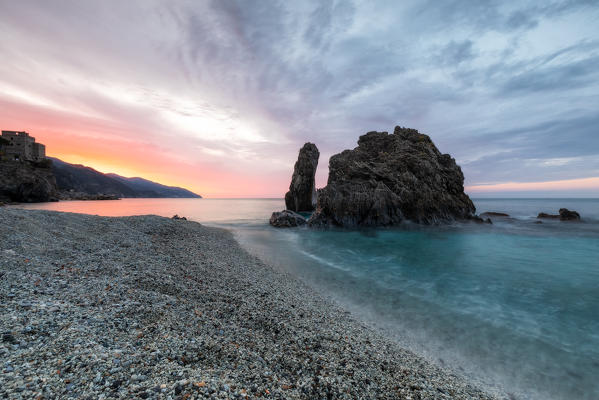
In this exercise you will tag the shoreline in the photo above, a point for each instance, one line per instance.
(149, 307)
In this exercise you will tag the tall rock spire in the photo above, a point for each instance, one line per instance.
(302, 192)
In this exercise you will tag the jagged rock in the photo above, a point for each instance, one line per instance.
(494, 214)
(564, 215)
(302, 193)
(177, 217)
(27, 182)
(391, 178)
(286, 219)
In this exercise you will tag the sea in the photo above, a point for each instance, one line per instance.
(512, 306)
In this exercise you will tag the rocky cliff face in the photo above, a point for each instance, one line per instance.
(302, 193)
(391, 178)
(27, 182)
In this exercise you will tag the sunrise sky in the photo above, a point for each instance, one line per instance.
(218, 96)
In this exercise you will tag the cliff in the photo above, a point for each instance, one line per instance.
(27, 182)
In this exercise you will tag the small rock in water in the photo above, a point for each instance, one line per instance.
(567, 215)
(494, 214)
(480, 220)
(286, 219)
(548, 216)
(564, 215)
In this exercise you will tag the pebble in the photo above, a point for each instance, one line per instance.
(149, 307)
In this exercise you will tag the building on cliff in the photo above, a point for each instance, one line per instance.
(21, 146)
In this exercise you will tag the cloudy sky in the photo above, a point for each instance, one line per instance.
(218, 96)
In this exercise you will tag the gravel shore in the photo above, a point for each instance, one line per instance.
(149, 307)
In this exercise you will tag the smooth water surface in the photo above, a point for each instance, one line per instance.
(514, 304)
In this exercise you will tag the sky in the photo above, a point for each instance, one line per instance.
(218, 96)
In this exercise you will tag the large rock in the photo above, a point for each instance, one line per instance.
(302, 193)
(286, 219)
(391, 178)
(27, 182)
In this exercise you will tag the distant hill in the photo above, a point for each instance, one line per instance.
(152, 189)
(79, 178)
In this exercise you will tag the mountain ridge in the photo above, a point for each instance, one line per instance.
(81, 178)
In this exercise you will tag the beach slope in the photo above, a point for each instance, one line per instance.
(149, 307)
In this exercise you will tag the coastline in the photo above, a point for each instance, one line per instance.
(149, 307)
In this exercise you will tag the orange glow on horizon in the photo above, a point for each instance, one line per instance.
(110, 148)
(563, 185)
(135, 153)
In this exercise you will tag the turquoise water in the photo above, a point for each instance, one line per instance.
(514, 304)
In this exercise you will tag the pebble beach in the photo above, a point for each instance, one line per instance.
(149, 307)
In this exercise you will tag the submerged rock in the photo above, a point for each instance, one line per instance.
(494, 214)
(548, 216)
(391, 178)
(480, 220)
(302, 193)
(564, 215)
(286, 219)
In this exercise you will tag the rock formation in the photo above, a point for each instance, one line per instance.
(302, 193)
(27, 182)
(391, 178)
(564, 215)
(286, 219)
